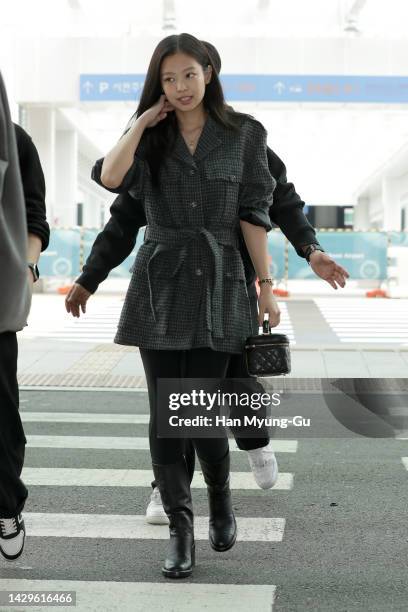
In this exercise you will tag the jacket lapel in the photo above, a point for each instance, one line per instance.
(209, 140)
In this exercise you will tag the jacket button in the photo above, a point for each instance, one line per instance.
(193, 204)
(233, 177)
(198, 271)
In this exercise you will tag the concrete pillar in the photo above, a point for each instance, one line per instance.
(39, 122)
(66, 176)
(93, 209)
(361, 214)
(391, 205)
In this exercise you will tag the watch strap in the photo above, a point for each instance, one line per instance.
(35, 271)
(311, 248)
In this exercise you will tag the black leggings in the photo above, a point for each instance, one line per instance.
(193, 363)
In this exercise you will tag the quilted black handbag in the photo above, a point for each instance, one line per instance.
(267, 354)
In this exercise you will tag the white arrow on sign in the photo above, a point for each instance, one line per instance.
(279, 86)
(88, 86)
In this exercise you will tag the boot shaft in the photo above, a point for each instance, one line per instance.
(216, 475)
(174, 485)
(173, 481)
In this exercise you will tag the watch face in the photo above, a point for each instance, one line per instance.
(35, 271)
(316, 248)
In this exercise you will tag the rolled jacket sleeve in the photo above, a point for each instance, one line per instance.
(134, 178)
(258, 184)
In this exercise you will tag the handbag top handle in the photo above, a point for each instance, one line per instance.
(266, 330)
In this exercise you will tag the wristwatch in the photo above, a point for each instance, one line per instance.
(35, 271)
(310, 249)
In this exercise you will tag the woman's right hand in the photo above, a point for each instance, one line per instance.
(157, 112)
(77, 297)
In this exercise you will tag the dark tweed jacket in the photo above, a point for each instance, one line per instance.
(188, 287)
(117, 239)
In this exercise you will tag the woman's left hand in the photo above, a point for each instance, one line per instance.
(325, 267)
(267, 303)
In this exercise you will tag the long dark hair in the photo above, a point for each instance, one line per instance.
(160, 139)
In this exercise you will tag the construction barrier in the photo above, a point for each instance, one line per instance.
(363, 253)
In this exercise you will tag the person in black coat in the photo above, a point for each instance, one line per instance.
(13, 492)
(32, 177)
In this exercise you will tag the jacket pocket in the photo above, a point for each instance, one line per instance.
(168, 262)
(225, 169)
(165, 204)
(234, 269)
(223, 178)
(237, 311)
(168, 286)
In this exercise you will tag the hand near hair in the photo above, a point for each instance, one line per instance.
(157, 112)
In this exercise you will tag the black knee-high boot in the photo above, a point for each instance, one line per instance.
(174, 485)
(189, 454)
(222, 524)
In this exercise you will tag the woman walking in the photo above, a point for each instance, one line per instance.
(201, 171)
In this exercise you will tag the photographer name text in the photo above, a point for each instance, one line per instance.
(246, 421)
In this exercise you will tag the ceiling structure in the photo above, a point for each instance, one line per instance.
(330, 150)
(305, 18)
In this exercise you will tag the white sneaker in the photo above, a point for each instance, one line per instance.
(155, 514)
(264, 466)
(12, 537)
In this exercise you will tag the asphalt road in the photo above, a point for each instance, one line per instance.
(343, 545)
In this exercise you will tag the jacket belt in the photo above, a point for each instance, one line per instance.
(169, 238)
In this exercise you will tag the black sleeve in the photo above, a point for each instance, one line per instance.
(115, 242)
(32, 177)
(287, 208)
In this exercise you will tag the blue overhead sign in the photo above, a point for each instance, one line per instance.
(110, 87)
(263, 88)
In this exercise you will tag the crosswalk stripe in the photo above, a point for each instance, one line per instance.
(356, 320)
(388, 338)
(70, 338)
(71, 389)
(364, 324)
(160, 596)
(86, 477)
(372, 335)
(104, 596)
(134, 527)
(395, 411)
(368, 320)
(100, 325)
(357, 302)
(405, 459)
(124, 443)
(80, 417)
